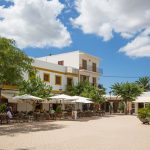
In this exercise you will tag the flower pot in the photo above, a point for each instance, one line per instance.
(148, 119)
(144, 120)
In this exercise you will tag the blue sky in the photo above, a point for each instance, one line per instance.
(132, 61)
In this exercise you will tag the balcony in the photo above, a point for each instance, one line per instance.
(90, 68)
(72, 70)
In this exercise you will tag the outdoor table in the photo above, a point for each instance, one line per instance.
(37, 116)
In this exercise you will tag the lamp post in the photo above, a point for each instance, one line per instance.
(110, 108)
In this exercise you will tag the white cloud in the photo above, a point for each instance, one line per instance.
(34, 23)
(127, 17)
(139, 47)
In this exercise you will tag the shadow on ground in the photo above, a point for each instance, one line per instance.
(13, 129)
(86, 119)
(31, 148)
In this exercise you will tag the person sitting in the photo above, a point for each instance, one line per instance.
(52, 113)
(9, 114)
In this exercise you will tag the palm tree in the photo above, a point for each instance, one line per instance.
(128, 91)
(144, 82)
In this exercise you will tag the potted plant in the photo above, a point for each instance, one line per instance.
(121, 107)
(58, 111)
(144, 115)
(2, 108)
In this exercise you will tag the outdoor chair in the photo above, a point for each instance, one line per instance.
(95, 113)
(53, 116)
(102, 112)
(4, 118)
(41, 116)
(15, 118)
(79, 114)
(58, 115)
(46, 116)
(22, 117)
(25, 118)
(36, 116)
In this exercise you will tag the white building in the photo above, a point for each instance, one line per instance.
(55, 75)
(59, 71)
(142, 101)
(87, 65)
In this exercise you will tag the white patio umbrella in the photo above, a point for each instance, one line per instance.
(80, 99)
(61, 97)
(26, 98)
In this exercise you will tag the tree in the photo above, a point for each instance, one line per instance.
(144, 82)
(36, 87)
(87, 90)
(13, 62)
(94, 93)
(76, 89)
(128, 91)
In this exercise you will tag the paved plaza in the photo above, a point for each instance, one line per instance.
(116, 132)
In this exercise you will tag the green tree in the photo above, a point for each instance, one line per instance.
(13, 62)
(94, 93)
(76, 89)
(36, 87)
(128, 91)
(144, 82)
(87, 90)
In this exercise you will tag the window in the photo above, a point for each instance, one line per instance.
(69, 81)
(61, 62)
(46, 77)
(84, 78)
(58, 80)
(94, 67)
(84, 64)
(94, 80)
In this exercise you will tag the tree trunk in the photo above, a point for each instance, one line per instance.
(126, 108)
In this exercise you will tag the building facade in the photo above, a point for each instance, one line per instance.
(58, 71)
(87, 65)
(59, 77)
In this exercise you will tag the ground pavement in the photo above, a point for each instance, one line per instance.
(107, 133)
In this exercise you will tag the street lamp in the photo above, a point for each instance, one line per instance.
(110, 94)
(110, 108)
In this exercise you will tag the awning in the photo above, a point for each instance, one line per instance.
(143, 98)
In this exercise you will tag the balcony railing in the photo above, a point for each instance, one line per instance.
(72, 70)
(90, 68)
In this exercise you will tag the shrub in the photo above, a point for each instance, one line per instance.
(121, 107)
(2, 108)
(144, 113)
(58, 109)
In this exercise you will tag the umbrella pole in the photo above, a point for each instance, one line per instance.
(26, 107)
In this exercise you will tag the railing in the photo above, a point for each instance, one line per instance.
(72, 70)
(9, 86)
(90, 68)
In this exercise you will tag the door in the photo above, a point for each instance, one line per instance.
(69, 81)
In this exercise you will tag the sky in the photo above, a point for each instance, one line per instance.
(118, 32)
